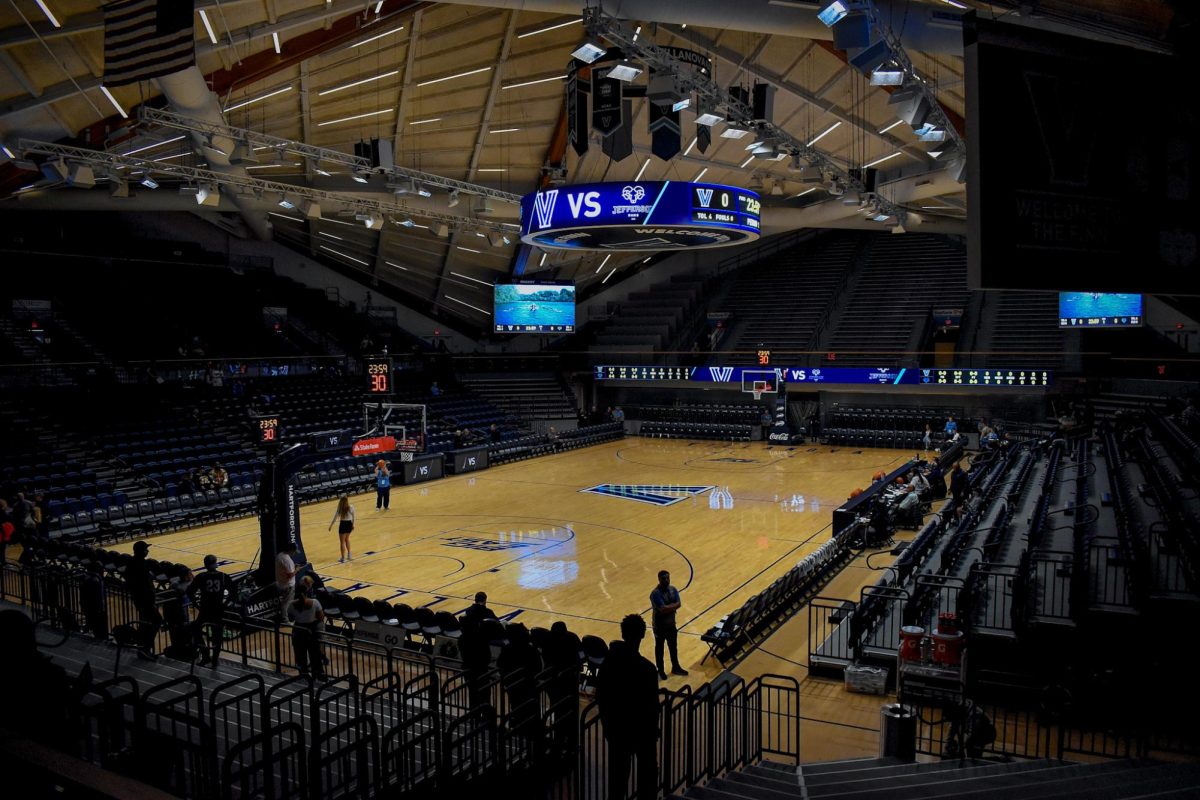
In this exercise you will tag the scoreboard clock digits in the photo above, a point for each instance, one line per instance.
(379, 376)
(268, 429)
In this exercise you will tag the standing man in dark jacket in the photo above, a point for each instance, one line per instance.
(627, 693)
(960, 487)
(141, 590)
(664, 601)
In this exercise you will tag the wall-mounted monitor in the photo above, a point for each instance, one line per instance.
(1099, 310)
(535, 307)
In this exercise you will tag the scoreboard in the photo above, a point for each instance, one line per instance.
(986, 377)
(644, 373)
(843, 376)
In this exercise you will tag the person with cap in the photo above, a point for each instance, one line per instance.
(209, 591)
(383, 485)
(140, 584)
(478, 611)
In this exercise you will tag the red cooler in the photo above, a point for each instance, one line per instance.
(910, 642)
(947, 622)
(947, 648)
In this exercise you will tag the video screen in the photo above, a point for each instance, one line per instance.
(1099, 310)
(535, 307)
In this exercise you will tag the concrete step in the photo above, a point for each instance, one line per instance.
(887, 771)
(848, 765)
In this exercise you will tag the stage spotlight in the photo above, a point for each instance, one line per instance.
(590, 51)
(625, 71)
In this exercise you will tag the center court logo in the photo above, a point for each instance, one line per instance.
(543, 205)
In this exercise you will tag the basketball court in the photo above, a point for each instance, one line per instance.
(580, 536)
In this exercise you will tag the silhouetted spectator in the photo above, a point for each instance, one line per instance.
(140, 583)
(7, 530)
(478, 610)
(494, 432)
(24, 518)
(627, 694)
(476, 655)
(562, 658)
(37, 692)
(937, 481)
(435, 390)
(519, 665)
(960, 486)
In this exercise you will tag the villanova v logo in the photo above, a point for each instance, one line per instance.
(544, 204)
(705, 196)
(721, 374)
(654, 494)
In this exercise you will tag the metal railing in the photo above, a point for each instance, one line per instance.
(393, 721)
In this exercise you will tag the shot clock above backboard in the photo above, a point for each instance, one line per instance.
(379, 376)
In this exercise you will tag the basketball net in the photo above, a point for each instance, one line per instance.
(758, 389)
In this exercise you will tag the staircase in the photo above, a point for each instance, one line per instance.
(892, 779)
(1025, 325)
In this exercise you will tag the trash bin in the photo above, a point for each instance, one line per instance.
(898, 732)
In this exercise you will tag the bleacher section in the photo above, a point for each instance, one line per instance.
(902, 280)
(650, 321)
(779, 304)
(525, 396)
(1024, 323)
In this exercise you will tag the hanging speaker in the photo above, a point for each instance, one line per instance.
(764, 101)
(868, 59)
(852, 31)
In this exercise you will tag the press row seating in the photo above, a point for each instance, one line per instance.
(746, 413)
(764, 610)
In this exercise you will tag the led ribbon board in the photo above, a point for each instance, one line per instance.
(798, 376)
(642, 215)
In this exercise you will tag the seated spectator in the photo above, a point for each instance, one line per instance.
(921, 487)
(220, 477)
(951, 426)
(495, 434)
(204, 479)
(909, 510)
(188, 484)
(552, 435)
(435, 390)
(618, 415)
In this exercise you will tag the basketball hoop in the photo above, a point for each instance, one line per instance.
(759, 388)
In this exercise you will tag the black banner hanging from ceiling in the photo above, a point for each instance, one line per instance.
(703, 138)
(606, 103)
(619, 146)
(577, 112)
(664, 132)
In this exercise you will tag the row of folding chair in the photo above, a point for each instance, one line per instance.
(696, 430)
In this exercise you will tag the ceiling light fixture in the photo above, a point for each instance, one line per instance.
(733, 132)
(343, 255)
(324, 92)
(806, 191)
(602, 263)
(152, 146)
(747, 161)
(149, 182)
(505, 130)
(353, 118)
(468, 305)
(825, 133)
(641, 172)
(275, 39)
(114, 102)
(534, 83)
(700, 175)
(549, 28)
(690, 146)
(49, 14)
(258, 99)
(208, 28)
(894, 124)
(883, 159)
(625, 71)
(425, 121)
(455, 76)
(377, 36)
